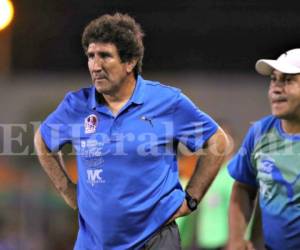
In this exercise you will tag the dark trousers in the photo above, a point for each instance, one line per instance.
(166, 238)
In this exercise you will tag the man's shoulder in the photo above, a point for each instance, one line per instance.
(160, 90)
(262, 128)
(82, 94)
(163, 88)
(77, 99)
(265, 123)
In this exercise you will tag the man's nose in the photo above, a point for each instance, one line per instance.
(97, 64)
(277, 86)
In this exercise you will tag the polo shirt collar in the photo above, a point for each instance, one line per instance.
(137, 97)
(92, 98)
(138, 93)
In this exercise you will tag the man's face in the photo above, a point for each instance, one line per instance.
(284, 95)
(106, 69)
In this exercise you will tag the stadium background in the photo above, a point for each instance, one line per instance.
(207, 48)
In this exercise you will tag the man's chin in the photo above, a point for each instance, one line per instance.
(283, 115)
(102, 91)
(100, 87)
(278, 114)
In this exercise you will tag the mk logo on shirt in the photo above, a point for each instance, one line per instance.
(94, 176)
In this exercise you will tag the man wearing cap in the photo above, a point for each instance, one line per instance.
(269, 162)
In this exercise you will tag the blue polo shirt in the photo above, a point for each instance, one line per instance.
(127, 168)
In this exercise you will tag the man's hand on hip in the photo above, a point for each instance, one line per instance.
(183, 210)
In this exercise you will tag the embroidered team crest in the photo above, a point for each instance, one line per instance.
(90, 124)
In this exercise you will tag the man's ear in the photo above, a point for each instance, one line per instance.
(130, 65)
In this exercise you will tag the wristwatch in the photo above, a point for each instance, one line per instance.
(191, 202)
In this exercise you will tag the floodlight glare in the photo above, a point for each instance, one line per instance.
(6, 13)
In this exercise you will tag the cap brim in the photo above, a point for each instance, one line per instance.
(265, 67)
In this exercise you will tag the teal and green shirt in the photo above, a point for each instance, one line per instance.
(269, 159)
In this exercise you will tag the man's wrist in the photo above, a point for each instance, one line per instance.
(192, 203)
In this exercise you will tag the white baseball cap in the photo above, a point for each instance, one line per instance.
(288, 63)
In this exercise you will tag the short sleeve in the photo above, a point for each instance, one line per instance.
(241, 167)
(193, 127)
(55, 130)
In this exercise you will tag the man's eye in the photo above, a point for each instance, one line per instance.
(272, 78)
(90, 55)
(289, 77)
(105, 55)
(288, 80)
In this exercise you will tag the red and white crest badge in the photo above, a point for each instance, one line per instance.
(90, 124)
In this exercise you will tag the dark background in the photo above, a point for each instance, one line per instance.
(180, 35)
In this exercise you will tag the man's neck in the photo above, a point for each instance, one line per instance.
(117, 100)
(291, 127)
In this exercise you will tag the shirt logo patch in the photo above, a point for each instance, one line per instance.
(94, 176)
(90, 124)
(271, 174)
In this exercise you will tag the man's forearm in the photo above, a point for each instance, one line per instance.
(256, 234)
(53, 165)
(240, 211)
(208, 165)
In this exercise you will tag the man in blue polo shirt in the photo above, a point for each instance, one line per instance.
(125, 131)
(269, 161)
